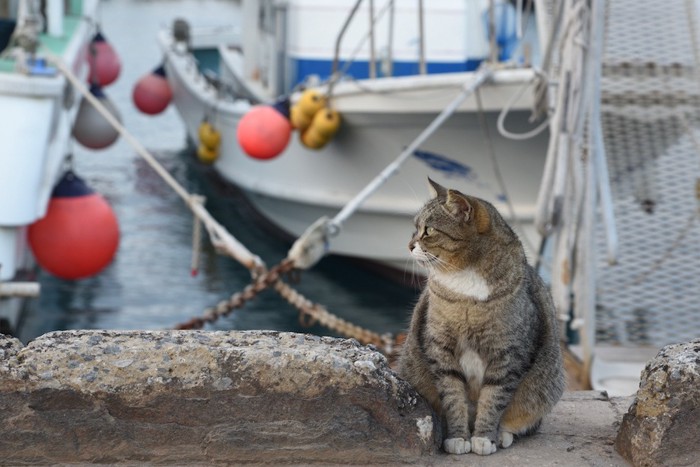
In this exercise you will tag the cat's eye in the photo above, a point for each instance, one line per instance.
(429, 231)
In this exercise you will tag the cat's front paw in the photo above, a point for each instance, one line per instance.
(483, 446)
(456, 446)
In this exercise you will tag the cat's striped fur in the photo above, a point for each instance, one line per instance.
(483, 346)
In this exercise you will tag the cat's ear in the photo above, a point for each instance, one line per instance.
(436, 190)
(468, 209)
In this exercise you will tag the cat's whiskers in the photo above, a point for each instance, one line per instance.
(437, 263)
(417, 274)
(414, 280)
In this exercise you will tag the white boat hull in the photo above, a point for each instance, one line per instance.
(35, 127)
(380, 118)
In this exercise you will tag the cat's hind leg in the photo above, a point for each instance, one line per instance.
(505, 438)
(517, 421)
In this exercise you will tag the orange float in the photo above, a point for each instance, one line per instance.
(263, 132)
(79, 235)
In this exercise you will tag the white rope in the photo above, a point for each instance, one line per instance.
(500, 123)
(220, 237)
(553, 183)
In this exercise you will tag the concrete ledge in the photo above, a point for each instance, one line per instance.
(246, 397)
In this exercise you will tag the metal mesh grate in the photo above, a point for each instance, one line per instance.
(651, 115)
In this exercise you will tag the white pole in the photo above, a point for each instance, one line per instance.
(19, 289)
(587, 302)
(422, 66)
(55, 12)
(372, 58)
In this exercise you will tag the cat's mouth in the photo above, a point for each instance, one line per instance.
(422, 256)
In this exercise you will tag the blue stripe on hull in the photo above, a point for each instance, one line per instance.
(302, 68)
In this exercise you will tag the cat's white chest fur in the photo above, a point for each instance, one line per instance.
(473, 367)
(466, 282)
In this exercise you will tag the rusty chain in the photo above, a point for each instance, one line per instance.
(237, 300)
(310, 313)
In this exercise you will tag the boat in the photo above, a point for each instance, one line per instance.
(388, 80)
(38, 107)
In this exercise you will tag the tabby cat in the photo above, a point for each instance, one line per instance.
(483, 346)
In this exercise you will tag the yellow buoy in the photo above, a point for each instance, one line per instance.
(326, 122)
(207, 155)
(208, 135)
(313, 139)
(310, 102)
(299, 119)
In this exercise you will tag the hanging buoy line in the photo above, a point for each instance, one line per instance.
(226, 243)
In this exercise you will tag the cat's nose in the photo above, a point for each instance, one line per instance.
(411, 245)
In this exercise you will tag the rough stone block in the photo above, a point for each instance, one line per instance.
(662, 426)
(206, 398)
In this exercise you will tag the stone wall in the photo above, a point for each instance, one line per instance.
(191, 397)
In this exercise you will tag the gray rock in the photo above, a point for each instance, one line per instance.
(195, 397)
(662, 426)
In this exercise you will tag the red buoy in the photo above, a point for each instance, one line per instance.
(103, 60)
(79, 235)
(152, 93)
(263, 132)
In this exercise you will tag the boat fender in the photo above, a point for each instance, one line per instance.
(300, 121)
(263, 132)
(322, 129)
(103, 60)
(79, 235)
(207, 155)
(209, 142)
(152, 92)
(209, 136)
(310, 102)
(312, 139)
(90, 128)
(326, 122)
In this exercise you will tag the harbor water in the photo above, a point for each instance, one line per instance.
(149, 284)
